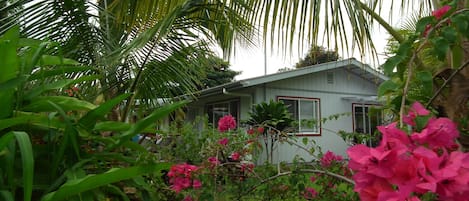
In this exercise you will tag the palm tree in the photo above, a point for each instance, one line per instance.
(130, 42)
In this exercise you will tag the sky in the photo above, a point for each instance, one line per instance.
(250, 61)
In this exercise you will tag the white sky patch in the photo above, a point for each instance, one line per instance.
(250, 61)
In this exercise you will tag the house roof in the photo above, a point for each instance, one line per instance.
(351, 65)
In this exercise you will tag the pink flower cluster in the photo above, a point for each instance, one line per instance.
(226, 123)
(438, 14)
(405, 166)
(328, 158)
(310, 193)
(180, 177)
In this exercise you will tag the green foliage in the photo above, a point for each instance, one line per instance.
(273, 114)
(48, 130)
(218, 72)
(317, 55)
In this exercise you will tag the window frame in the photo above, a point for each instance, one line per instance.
(229, 101)
(367, 105)
(318, 114)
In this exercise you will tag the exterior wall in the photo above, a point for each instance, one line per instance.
(331, 102)
(334, 98)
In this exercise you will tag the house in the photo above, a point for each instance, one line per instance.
(314, 92)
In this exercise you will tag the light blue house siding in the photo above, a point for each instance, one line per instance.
(335, 87)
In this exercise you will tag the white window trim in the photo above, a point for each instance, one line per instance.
(318, 113)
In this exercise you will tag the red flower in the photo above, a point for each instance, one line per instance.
(441, 12)
(181, 177)
(226, 123)
(310, 193)
(196, 184)
(260, 130)
(223, 141)
(247, 166)
(235, 156)
(417, 109)
(213, 161)
(328, 158)
(439, 133)
(251, 131)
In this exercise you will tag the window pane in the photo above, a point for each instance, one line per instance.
(308, 116)
(292, 106)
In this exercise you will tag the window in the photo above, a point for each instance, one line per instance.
(306, 112)
(366, 118)
(217, 110)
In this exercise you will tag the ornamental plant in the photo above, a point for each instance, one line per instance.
(419, 163)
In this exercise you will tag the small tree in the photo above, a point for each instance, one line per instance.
(317, 55)
(218, 72)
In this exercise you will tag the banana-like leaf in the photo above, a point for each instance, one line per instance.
(6, 195)
(77, 186)
(89, 120)
(117, 126)
(55, 60)
(35, 119)
(41, 104)
(27, 159)
(12, 83)
(147, 121)
(10, 67)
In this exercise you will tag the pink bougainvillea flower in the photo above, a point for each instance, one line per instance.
(417, 109)
(223, 141)
(188, 198)
(180, 177)
(247, 166)
(260, 130)
(441, 12)
(226, 123)
(439, 133)
(235, 156)
(312, 179)
(328, 158)
(310, 193)
(394, 138)
(213, 161)
(196, 184)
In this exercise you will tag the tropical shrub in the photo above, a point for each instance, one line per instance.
(56, 146)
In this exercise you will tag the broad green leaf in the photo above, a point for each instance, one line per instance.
(27, 159)
(5, 140)
(441, 47)
(422, 24)
(55, 60)
(77, 186)
(41, 104)
(118, 127)
(70, 136)
(391, 63)
(6, 196)
(13, 83)
(450, 34)
(39, 120)
(386, 87)
(147, 121)
(89, 120)
(10, 68)
(426, 79)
